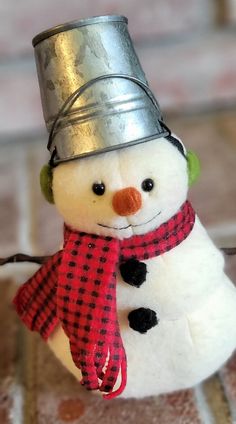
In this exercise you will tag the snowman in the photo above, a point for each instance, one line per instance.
(136, 302)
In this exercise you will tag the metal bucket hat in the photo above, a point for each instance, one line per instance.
(94, 93)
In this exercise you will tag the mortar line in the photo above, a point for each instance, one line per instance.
(221, 13)
(216, 398)
(231, 404)
(16, 386)
(24, 204)
(16, 410)
(33, 209)
(203, 406)
(223, 229)
(30, 376)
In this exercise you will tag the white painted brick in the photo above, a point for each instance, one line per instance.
(183, 75)
(194, 72)
(20, 107)
(15, 204)
(20, 21)
(231, 7)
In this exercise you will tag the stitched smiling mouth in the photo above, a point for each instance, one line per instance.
(130, 225)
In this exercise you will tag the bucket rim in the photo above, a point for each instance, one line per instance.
(76, 24)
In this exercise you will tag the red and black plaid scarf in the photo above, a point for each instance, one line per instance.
(77, 288)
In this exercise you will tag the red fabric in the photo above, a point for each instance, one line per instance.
(86, 301)
(35, 301)
(77, 287)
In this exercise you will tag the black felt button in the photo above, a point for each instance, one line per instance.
(142, 319)
(133, 272)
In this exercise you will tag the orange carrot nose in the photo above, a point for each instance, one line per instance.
(127, 201)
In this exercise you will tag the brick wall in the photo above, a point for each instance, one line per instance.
(147, 19)
(231, 11)
(185, 48)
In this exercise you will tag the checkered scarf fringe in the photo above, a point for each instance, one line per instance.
(77, 288)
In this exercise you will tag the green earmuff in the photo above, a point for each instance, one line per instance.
(46, 175)
(194, 168)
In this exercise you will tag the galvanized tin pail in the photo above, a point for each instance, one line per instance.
(94, 93)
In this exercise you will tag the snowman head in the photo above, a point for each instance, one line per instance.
(124, 192)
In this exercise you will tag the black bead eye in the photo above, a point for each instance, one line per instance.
(147, 185)
(99, 188)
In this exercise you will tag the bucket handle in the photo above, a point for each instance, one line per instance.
(77, 93)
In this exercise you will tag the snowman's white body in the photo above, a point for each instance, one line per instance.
(194, 300)
(196, 305)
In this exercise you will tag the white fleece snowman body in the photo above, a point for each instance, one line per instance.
(194, 300)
